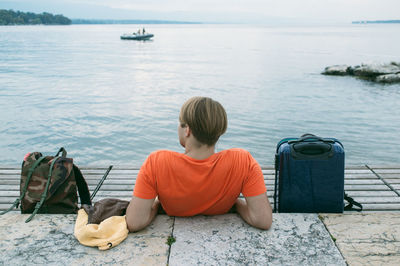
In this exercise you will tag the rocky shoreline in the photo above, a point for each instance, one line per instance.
(382, 73)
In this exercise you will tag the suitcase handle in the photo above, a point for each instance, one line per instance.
(312, 148)
(310, 137)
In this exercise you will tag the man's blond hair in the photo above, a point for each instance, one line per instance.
(205, 117)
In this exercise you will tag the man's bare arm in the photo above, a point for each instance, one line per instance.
(140, 213)
(256, 211)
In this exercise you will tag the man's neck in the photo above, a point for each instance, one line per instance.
(199, 153)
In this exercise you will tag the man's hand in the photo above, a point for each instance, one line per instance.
(140, 213)
(256, 211)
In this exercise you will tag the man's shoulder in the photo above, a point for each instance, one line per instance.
(237, 155)
(164, 154)
(160, 158)
(237, 152)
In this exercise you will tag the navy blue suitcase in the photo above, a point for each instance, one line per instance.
(309, 175)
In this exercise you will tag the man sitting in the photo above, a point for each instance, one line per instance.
(200, 181)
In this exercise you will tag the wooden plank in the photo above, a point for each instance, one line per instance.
(128, 178)
(269, 170)
(356, 167)
(377, 166)
(393, 181)
(396, 187)
(129, 174)
(378, 200)
(18, 174)
(363, 182)
(360, 193)
(387, 171)
(382, 207)
(129, 185)
(10, 193)
(16, 183)
(390, 176)
(126, 167)
(118, 187)
(268, 183)
(127, 198)
(357, 171)
(129, 193)
(104, 168)
(114, 171)
(366, 188)
(7, 200)
(263, 167)
(363, 176)
(268, 180)
(5, 206)
(94, 176)
(10, 173)
(271, 176)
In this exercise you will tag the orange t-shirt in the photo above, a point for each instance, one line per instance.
(187, 187)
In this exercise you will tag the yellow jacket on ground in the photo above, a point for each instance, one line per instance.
(105, 235)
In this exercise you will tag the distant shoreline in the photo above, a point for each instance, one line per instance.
(12, 18)
(376, 22)
(128, 21)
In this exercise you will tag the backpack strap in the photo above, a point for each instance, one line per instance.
(64, 152)
(83, 189)
(30, 172)
(44, 194)
(352, 202)
(101, 182)
(84, 193)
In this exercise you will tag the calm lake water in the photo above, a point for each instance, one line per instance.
(109, 101)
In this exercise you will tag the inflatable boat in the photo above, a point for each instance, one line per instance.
(138, 37)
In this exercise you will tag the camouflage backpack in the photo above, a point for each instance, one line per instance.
(49, 185)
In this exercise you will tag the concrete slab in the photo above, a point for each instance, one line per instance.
(294, 239)
(49, 240)
(366, 238)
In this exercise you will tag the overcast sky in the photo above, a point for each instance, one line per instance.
(216, 10)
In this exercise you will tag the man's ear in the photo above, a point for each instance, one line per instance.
(188, 131)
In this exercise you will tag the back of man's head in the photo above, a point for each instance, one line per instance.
(205, 117)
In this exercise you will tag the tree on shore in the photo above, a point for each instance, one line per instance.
(11, 17)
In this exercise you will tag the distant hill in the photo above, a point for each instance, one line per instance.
(128, 21)
(375, 21)
(11, 17)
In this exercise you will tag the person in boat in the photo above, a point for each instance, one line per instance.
(143, 31)
(200, 180)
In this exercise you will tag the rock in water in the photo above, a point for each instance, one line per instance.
(389, 78)
(383, 73)
(337, 70)
(374, 70)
